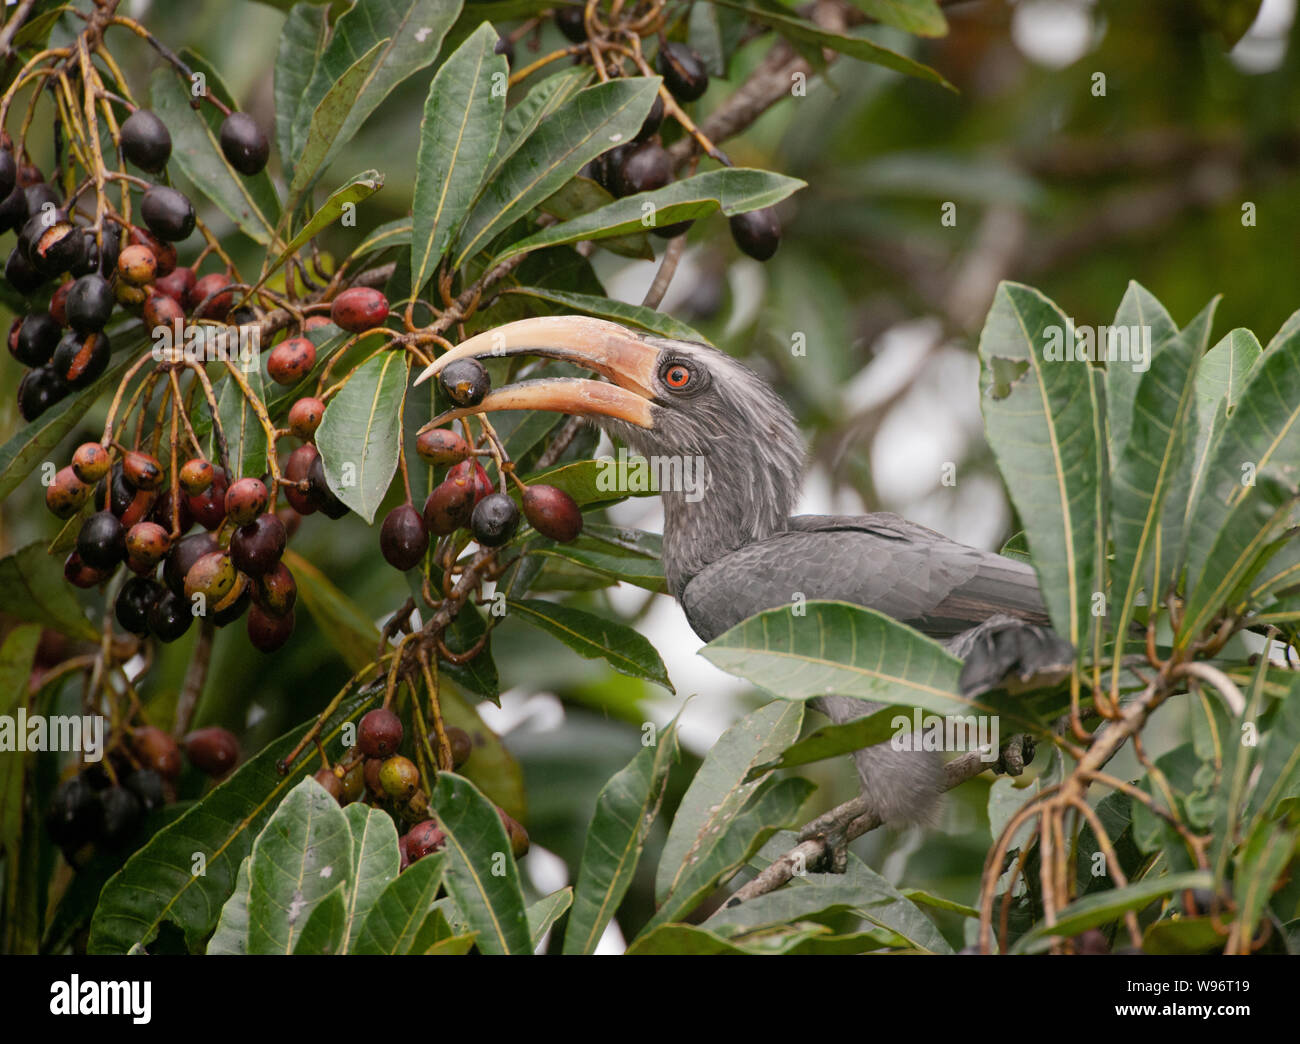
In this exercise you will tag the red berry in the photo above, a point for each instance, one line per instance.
(305, 416)
(359, 309)
(245, 500)
(214, 751)
(296, 469)
(207, 286)
(379, 733)
(403, 538)
(553, 513)
(291, 360)
(157, 751)
(267, 633)
(422, 839)
(256, 548)
(440, 446)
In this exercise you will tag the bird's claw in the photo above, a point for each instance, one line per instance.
(1015, 754)
(831, 829)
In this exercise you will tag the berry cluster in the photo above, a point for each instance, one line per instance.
(106, 804)
(373, 771)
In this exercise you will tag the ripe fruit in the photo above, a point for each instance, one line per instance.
(757, 233)
(461, 745)
(440, 446)
(90, 462)
(196, 475)
(449, 506)
(20, 273)
(183, 555)
(164, 253)
(89, 304)
(209, 507)
(66, 494)
(399, 778)
(332, 784)
(137, 265)
(359, 309)
(370, 771)
(8, 172)
(291, 360)
(212, 576)
(79, 361)
(235, 604)
(158, 751)
(266, 632)
(129, 296)
(177, 284)
(214, 751)
(137, 597)
(170, 617)
(320, 493)
(38, 390)
(495, 519)
(256, 548)
(683, 71)
(207, 286)
(276, 591)
(568, 20)
(33, 338)
(505, 46)
(101, 544)
(148, 786)
(354, 784)
(422, 839)
(305, 416)
(243, 143)
(59, 303)
(654, 119)
(75, 814)
(245, 500)
(77, 573)
(56, 247)
(168, 213)
(472, 472)
(120, 816)
(146, 141)
(104, 253)
(146, 545)
(296, 469)
(379, 733)
(142, 470)
(465, 382)
(642, 168)
(403, 538)
(672, 231)
(516, 833)
(161, 311)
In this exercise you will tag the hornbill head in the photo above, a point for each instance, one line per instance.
(686, 404)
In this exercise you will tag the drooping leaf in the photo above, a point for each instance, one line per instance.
(734, 190)
(592, 636)
(160, 883)
(32, 588)
(481, 874)
(1046, 424)
(922, 17)
(722, 786)
(626, 808)
(619, 311)
(458, 138)
(591, 122)
(402, 908)
(361, 430)
(543, 914)
(302, 41)
(250, 202)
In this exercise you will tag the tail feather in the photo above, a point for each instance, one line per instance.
(1008, 652)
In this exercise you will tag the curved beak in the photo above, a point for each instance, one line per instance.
(594, 344)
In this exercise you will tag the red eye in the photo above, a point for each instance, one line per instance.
(677, 376)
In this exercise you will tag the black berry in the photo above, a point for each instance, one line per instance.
(146, 142)
(465, 382)
(243, 143)
(495, 519)
(168, 213)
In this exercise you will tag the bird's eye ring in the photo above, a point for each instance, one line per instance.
(677, 376)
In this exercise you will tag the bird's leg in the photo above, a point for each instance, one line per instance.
(832, 829)
(1015, 754)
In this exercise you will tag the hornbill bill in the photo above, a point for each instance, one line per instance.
(737, 550)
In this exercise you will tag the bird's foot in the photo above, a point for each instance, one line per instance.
(1015, 754)
(832, 830)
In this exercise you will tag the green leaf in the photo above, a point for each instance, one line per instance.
(1138, 313)
(250, 202)
(245, 437)
(921, 17)
(402, 909)
(546, 911)
(619, 311)
(1045, 420)
(159, 883)
(626, 808)
(327, 121)
(688, 940)
(481, 875)
(592, 636)
(831, 741)
(1106, 907)
(361, 431)
(325, 931)
(302, 855)
(628, 555)
(32, 588)
(1157, 458)
(35, 442)
(411, 32)
(302, 41)
(231, 937)
(1235, 522)
(599, 481)
(775, 804)
(16, 657)
(541, 102)
(734, 190)
(458, 138)
(592, 122)
(722, 786)
(375, 859)
(579, 196)
(360, 187)
(799, 30)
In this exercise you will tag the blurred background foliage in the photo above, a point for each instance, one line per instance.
(1057, 181)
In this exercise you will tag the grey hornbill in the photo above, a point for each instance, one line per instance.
(737, 550)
